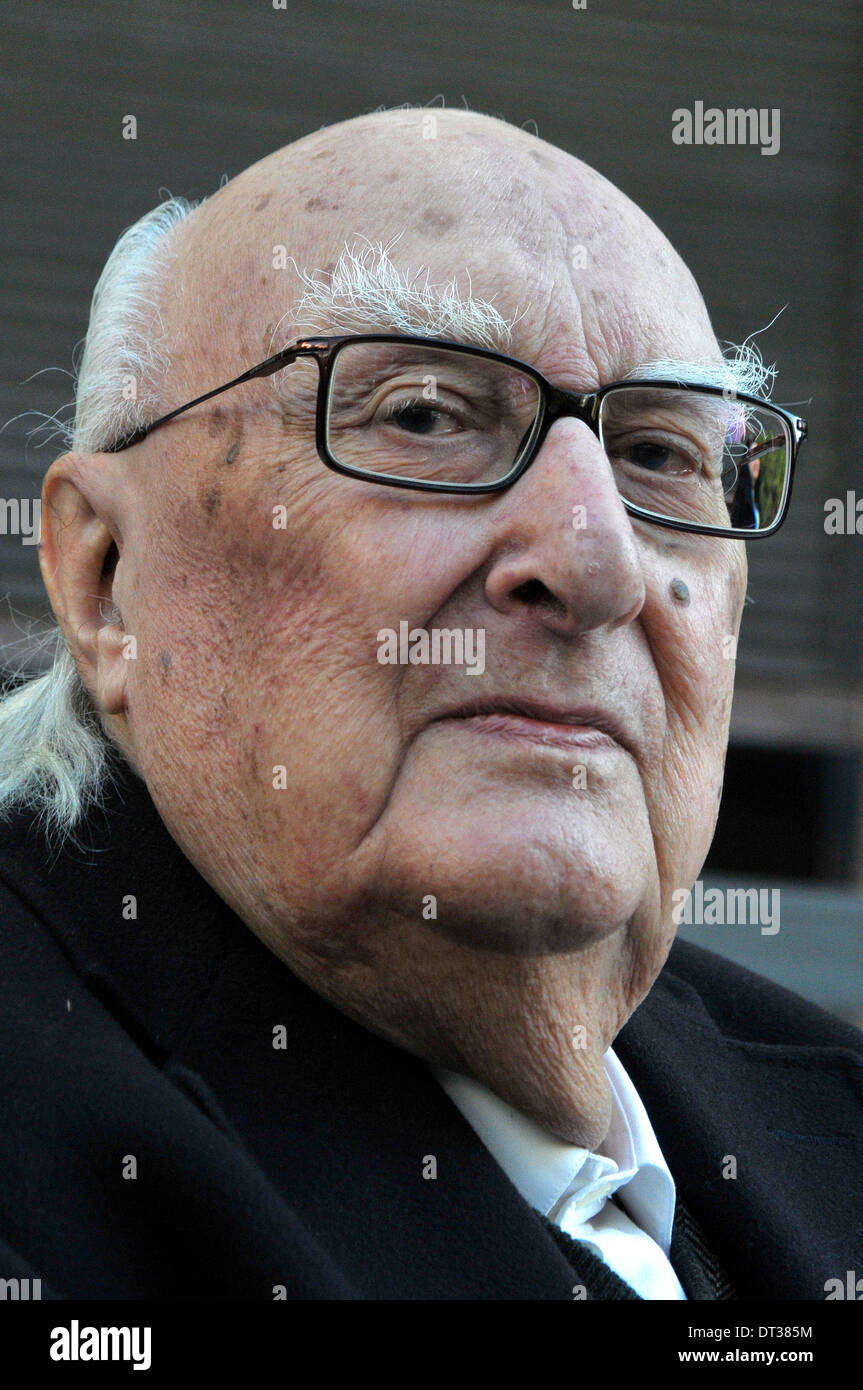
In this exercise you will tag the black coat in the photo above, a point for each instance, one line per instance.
(301, 1168)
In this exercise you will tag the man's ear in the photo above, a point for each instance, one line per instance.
(80, 547)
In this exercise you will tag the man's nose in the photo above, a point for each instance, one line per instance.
(565, 546)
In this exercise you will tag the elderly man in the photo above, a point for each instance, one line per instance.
(399, 559)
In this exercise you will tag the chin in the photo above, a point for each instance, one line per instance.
(486, 915)
(516, 888)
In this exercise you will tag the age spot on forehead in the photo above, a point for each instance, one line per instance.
(436, 220)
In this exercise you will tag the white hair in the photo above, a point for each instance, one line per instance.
(741, 370)
(53, 747)
(54, 750)
(367, 287)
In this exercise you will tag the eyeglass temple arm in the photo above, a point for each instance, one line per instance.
(765, 447)
(272, 364)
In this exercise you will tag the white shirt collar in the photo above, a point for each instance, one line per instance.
(553, 1176)
(649, 1194)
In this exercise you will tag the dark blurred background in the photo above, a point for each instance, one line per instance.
(216, 84)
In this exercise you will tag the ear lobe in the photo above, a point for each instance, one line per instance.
(78, 553)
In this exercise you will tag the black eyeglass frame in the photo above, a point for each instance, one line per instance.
(555, 404)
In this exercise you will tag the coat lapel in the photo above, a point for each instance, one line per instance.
(364, 1145)
(773, 1114)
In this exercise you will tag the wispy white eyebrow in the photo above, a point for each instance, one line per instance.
(742, 369)
(366, 292)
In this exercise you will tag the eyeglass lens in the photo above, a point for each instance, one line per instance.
(405, 410)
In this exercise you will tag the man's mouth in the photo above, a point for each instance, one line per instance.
(580, 726)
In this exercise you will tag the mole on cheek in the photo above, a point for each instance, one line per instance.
(167, 661)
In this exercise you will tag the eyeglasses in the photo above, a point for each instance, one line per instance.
(438, 416)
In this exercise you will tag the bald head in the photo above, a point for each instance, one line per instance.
(457, 197)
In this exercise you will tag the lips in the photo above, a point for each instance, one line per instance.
(509, 712)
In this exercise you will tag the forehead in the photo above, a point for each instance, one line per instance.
(592, 287)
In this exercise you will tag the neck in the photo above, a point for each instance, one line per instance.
(533, 1029)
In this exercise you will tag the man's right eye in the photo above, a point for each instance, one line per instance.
(418, 417)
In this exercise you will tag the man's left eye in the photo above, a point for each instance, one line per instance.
(652, 456)
(655, 456)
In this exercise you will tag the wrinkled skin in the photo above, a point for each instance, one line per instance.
(257, 647)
